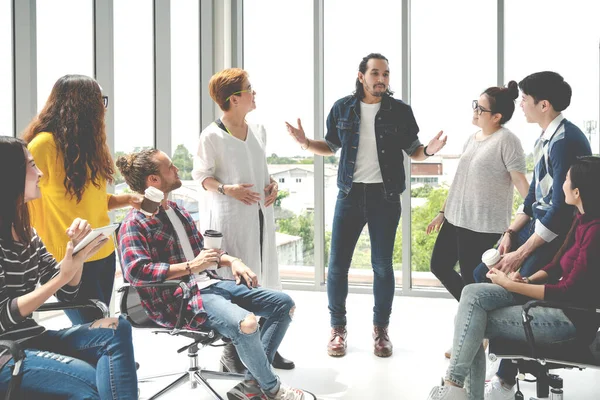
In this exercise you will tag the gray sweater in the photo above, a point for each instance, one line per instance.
(480, 198)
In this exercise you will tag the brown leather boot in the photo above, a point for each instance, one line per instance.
(337, 342)
(383, 346)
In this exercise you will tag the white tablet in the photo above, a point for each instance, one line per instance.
(105, 230)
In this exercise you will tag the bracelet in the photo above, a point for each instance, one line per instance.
(236, 259)
(426, 153)
(441, 212)
(526, 279)
(510, 232)
(187, 267)
(307, 145)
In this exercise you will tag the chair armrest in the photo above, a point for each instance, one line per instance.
(166, 284)
(14, 348)
(527, 318)
(62, 305)
(555, 304)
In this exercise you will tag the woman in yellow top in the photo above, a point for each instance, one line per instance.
(68, 141)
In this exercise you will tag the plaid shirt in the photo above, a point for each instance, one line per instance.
(148, 247)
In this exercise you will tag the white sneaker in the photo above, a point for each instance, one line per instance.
(288, 393)
(447, 393)
(495, 390)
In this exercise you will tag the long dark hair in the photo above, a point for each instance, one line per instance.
(584, 174)
(13, 210)
(359, 92)
(74, 114)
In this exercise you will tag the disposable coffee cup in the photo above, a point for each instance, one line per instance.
(491, 257)
(212, 239)
(152, 199)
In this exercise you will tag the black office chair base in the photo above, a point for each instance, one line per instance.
(195, 376)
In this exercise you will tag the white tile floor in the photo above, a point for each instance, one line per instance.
(421, 330)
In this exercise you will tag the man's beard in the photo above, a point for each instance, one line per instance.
(378, 93)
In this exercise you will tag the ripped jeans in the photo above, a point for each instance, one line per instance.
(227, 305)
(80, 362)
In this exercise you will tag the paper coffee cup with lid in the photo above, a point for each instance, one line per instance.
(491, 257)
(212, 239)
(152, 199)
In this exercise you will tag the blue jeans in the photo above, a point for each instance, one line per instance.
(489, 311)
(364, 204)
(507, 371)
(97, 282)
(78, 363)
(227, 305)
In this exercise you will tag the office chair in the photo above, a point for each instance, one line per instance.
(539, 360)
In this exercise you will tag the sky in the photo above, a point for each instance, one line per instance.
(453, 60)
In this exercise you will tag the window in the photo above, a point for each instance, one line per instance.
(134, 78)
(294, 82)
(573, 54)
(65, 42)
(344, 49)
(185, 97)
(134, 75)
(466, 54)
(298, 180)
(6, 73)
(281, 180)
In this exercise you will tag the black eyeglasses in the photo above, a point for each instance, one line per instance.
(105, 101)
(480, 109)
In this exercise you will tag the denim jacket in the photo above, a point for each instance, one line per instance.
(395, 130)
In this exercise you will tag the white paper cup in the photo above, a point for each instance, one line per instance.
(490, 257)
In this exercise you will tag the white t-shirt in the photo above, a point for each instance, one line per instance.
(367, 162)
(202, 279)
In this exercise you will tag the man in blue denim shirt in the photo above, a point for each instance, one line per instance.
(372, 129)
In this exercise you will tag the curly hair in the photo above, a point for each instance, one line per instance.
(74, 115)
(136, 168)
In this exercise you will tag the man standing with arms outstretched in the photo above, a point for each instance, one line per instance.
(372, 129)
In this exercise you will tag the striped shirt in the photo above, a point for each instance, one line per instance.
(22, 266)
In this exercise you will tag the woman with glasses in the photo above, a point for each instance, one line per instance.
(68, 141)
(479, 204)
(231, 166)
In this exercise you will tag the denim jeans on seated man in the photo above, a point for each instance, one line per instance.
(227, 304)
(365, 203)
(81, 362)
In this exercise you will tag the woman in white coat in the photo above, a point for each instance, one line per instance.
(231, 166)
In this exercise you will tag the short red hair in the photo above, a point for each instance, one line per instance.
(223, 84)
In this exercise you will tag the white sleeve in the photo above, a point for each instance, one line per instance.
(205, 159)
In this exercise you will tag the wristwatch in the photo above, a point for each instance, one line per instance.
(221, 189)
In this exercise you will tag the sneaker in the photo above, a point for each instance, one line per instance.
(495, 390)
(447, 393)
(246, 390)
(288, 393)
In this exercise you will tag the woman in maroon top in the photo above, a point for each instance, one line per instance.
(494, 310)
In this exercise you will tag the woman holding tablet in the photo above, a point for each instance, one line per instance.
(91, 361)
(68, 141)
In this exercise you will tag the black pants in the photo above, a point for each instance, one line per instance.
(461, 245)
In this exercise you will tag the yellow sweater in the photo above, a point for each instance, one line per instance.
(54, 212)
